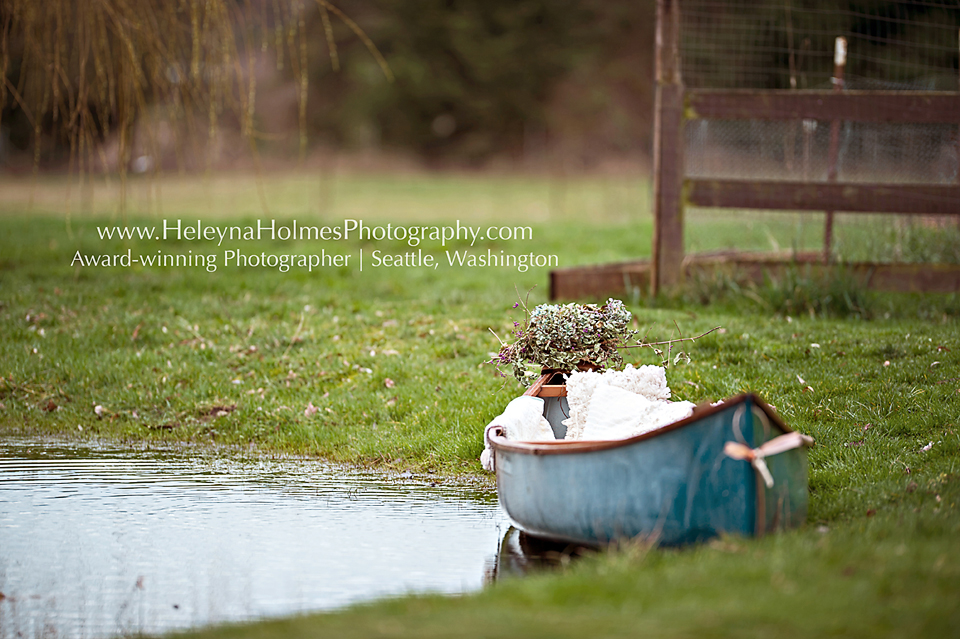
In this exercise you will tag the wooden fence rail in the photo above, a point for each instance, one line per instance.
(926, 107)
(914, 199)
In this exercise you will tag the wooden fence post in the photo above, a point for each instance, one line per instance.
(667, 263)
(839, 62)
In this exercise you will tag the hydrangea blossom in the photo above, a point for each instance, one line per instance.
(567, 336)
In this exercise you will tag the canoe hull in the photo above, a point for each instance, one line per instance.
(675, 485)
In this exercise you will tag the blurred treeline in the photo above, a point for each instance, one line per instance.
(568, 84)
(481, 78)
(474, 81)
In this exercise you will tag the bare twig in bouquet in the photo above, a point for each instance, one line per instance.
(524, 302)
(642, 343)
(673, 341)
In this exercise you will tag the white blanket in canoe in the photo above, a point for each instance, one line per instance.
(522, 420)
(620, 404)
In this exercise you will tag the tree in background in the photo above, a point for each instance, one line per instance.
(477, 79)
(471, 75)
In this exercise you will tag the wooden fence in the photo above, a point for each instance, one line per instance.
(672, 190)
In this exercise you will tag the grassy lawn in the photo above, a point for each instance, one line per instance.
(391, 359)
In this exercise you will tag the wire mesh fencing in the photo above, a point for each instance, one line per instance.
(759, 44)
(892, 46)
(902, 153)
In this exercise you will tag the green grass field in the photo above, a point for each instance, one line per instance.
(392, 361)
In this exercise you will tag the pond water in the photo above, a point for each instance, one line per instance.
(99, 542)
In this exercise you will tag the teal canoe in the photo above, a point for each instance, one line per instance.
(733, 468)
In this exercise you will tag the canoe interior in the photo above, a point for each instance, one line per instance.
(674, 484)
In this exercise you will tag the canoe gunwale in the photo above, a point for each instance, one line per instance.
(560, 447)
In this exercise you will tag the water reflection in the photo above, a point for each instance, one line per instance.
(96, 542)
(520, 554)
